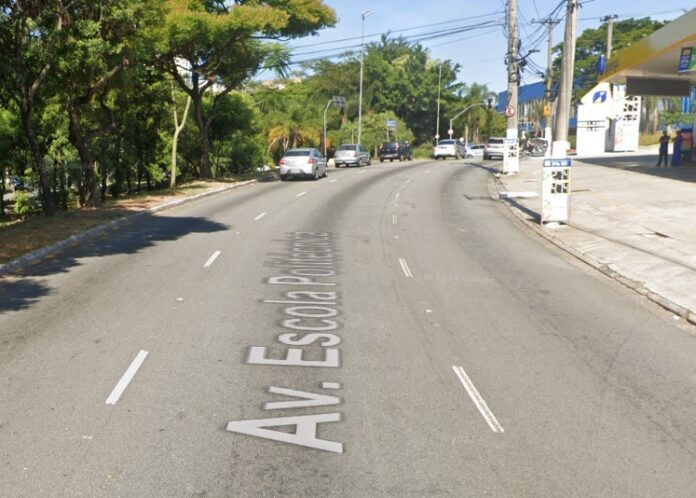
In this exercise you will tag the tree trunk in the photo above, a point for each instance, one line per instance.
(46, 197)
(2, 191)
(205, 140)
(79, 141)
(178, 127)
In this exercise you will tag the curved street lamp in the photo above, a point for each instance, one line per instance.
(363, 14)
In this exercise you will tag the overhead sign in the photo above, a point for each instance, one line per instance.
(687, 59)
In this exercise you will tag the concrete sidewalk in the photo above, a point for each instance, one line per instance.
(629, 219)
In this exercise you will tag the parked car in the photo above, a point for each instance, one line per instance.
(352, 155)
(395, 150)
(14, 183)
(449, 148)
(474, 150)
(495, 147)
(298, 163)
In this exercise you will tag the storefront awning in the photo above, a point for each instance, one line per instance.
(651, 66)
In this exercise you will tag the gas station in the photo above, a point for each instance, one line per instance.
(662, 64)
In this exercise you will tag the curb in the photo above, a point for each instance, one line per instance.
(638, 287)
(38, 254)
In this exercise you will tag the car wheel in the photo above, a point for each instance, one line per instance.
(315, 177)
(283, 178)
(381, 160)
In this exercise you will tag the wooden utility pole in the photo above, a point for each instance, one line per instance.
(610, 31)
(560, 134)
(513, 69)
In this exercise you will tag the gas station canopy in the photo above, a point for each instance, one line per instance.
(661, 64)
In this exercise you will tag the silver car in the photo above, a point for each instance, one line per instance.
(495, 147)
(302, 163)
(352, 155)
(449, 148)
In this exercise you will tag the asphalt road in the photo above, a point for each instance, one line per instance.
(388, 331)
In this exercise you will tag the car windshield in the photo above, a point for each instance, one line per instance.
(389, 145)
(297, 152)
(495, 141)
(348, 147)
(446, 142)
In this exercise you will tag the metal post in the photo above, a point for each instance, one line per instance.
(450, 129)
(439, 86)
(561, 144)
(327, 108)
(363, 14)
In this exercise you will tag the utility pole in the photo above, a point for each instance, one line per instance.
(439, 86)
(363, 14)
(513, 69)
(610, 31)
(560, 144)
(548, 93)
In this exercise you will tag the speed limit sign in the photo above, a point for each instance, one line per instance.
(509, 111)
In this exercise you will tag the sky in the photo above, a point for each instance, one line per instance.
(479, 52)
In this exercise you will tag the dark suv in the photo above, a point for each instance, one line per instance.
(395, 150)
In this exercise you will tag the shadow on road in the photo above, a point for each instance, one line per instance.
(644, 164)
(25, 287)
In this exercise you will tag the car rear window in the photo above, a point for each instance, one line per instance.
(347, 147)
(389, 145)
(495, 141)
(292, 153)
(446, 142)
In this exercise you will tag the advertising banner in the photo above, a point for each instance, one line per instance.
(687, 60)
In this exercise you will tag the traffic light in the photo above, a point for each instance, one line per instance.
(490, 103)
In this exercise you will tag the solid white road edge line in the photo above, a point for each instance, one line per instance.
(127, 377)
(483, 409)
(211, 259)
(394, 220)
(300, 194)
(405, 268)
(260, 216)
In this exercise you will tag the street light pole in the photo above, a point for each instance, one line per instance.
(439, 86)
(462, 112)
(339, 102)
(363, 14)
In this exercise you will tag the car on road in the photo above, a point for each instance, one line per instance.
(14, 183)
(495, 147)
(389, 151)
(474, 150)
(351, 155)
(302, 163)
(449, 148)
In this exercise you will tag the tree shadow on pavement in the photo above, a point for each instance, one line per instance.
(644, 164)
(25, 287)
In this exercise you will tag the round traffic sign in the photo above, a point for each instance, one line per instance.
(437, 136)
(509, 111)
(450, 131)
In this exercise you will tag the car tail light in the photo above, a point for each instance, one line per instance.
(355, 154)
(312, 161)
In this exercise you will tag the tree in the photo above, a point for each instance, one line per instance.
(28, 37)
(215, 46)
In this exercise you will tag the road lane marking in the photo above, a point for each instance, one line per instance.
(126, 379)
(427, 172)
(260, 216)
(408, 181)
(211, 259)
(332, 181)
(480, 403)
(398, 194)
(300, 194)
(394, 220)
(405, 268)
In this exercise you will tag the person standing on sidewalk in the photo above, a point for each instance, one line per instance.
(676, 149)
(664, 144)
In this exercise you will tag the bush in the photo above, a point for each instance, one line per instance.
(25, 204)
(424, 151)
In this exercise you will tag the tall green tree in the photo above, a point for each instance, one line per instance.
(215, 46)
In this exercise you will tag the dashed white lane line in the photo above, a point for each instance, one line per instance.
(260, 216)
(126, 379)
(332, 181)
(480, 403)
(427, 171)
(211, 259)
(300, 194)
(398, 194)
(394, 219)
(405, 268)
(408, 181)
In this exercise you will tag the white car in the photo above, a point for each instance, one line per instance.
(449, 148)
(474, 150)
(302, 163)
(352, 155)
(495, 147)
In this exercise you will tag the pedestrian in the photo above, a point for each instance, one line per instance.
(676, 149)
(664, 144)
